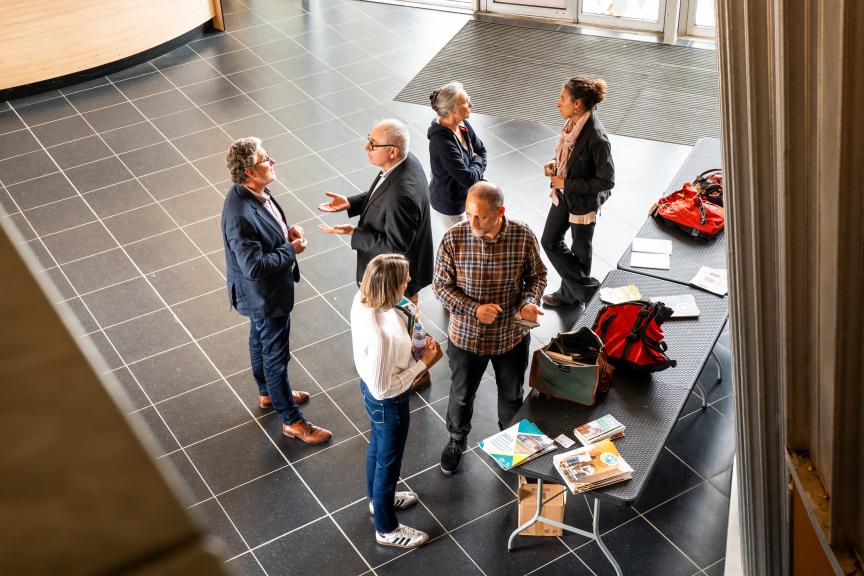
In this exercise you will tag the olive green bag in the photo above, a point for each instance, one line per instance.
(572, 367)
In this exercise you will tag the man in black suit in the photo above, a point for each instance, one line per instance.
(394, 213)
(261, 268)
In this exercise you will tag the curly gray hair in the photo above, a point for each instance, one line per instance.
(240, 156)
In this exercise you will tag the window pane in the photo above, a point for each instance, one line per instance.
(557, 4)
(705, 13)
(634, 9)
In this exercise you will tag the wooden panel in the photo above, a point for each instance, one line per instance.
(44, 39)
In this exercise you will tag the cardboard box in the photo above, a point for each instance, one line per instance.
(554, 499)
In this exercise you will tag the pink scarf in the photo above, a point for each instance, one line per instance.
(569, 133)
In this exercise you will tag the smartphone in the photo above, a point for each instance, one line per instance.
(526, 323)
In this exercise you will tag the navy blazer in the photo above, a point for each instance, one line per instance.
(454, 169)
(260, 263)
(395, 220)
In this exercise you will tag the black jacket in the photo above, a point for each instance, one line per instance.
(454, 169)
(261, 267)
(590, 171)
(395, 220)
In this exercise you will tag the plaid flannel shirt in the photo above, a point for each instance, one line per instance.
(470, 271)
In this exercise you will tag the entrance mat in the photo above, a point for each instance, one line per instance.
(656, 91)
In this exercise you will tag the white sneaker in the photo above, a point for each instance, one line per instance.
(402, 537)
(402, 500)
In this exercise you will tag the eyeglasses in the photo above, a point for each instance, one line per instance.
(266, 160)
(373, 145)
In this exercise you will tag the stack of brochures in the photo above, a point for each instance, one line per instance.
(592, 467)
(600, 429)
(651, 253)
(518, 444)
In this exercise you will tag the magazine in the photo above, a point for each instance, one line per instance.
(592, 466)
(599, 429)
(711, 279)
(517, 444)
(620, 294)
(683, 305)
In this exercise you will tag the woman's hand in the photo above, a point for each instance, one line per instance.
(549, 168)
(557, 182)
(430, 352)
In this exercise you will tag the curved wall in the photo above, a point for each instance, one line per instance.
(45, 39)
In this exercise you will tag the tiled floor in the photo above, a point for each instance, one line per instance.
(116, 187)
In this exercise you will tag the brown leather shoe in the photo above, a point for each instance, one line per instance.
(307, 432)
(298, 396)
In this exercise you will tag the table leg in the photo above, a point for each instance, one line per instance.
(596, 536)
(719, 367)
(703, 394)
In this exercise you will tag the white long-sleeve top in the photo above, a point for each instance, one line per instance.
(382, 350)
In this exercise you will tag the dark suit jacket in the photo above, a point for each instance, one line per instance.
(260, 263)
(395, 220)
(590, 171)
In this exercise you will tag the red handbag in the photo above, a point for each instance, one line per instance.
(632, 336)
(687, 210)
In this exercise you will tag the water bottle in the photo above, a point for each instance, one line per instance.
(418, 341)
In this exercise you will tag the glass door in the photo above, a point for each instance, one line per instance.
(632, 14)
(559, 9)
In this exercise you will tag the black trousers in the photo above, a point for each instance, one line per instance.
(573, 264)
(467, 370)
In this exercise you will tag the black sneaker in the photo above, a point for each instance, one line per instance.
(451, 457)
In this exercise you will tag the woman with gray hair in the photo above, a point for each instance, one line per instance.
(457, 156)
(381, 340)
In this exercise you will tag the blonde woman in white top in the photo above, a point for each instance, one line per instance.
(382, 355)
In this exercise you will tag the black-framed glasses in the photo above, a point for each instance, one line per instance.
(373, 145)
(266, 159)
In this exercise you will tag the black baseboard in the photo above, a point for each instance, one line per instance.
(105, 69)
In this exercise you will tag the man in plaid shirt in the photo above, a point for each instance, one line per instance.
(488, 275)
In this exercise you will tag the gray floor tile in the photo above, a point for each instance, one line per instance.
(61, 131)
(122, 302)
(182, 123)
(152, 159)
(168, 102)
(98, 174)
(113, 117)
(163, 250)
(132, 137)
(118, 198)
(80, 152)
(59, 216)
(25, 167)
(99, 271)
(139, 224)
(146, 336)
(174, 372)
(79, 242)
(99, 97)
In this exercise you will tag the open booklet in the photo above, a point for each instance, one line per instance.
(517, 444)
(592, 466)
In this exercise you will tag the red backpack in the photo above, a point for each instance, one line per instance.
(688, 210)
(632, 335)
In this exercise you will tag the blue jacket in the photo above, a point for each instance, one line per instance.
(454, 169)
(260, 263)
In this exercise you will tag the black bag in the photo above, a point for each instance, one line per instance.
(710, 185)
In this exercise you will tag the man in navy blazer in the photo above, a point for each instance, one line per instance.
(261, 264)
(394, 213)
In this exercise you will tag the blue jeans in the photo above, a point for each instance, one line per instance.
(390, 419)
(268, 350)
